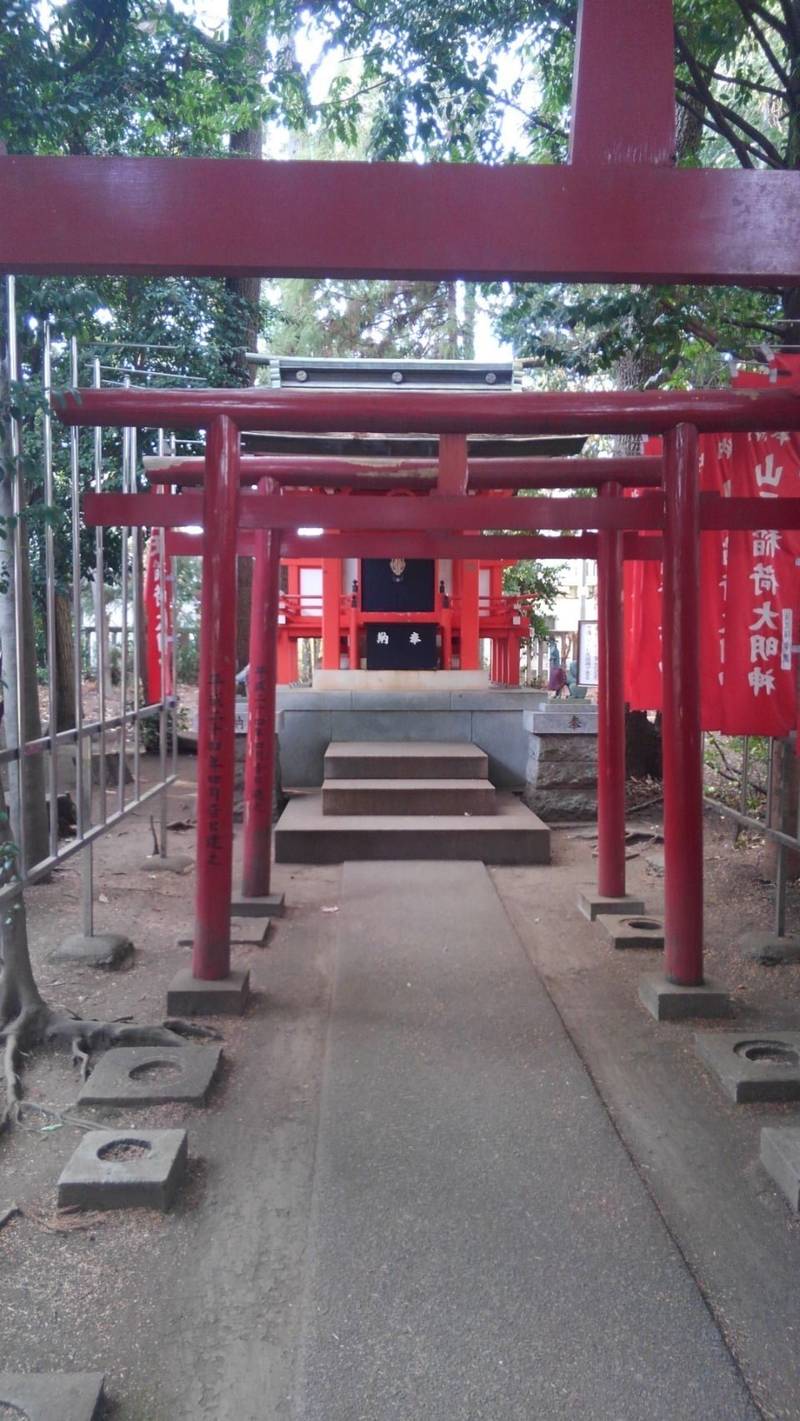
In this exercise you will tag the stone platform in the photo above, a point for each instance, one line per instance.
(491, 719)
(403, 681)
(433, 801)
(512, 835)
(404, 759)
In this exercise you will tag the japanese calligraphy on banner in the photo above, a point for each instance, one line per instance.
(153, 601)
(749, 591)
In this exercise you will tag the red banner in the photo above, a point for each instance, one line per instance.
(749, 591)
(154, 602)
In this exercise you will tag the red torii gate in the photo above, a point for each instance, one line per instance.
(387, 475)
(381, 476)
(679, 513)
(618, 212)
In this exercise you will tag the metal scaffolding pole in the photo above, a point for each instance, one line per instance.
(50, 588)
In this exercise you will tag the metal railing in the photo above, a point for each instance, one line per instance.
(113, 729)
(775, 794)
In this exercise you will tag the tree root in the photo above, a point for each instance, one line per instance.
(39, 1025)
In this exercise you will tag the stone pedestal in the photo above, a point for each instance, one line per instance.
(667, 1001)
(191, 996)
(561, 774)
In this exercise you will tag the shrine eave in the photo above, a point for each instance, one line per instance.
(408, 446)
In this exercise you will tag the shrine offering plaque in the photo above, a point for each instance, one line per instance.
(401, 646)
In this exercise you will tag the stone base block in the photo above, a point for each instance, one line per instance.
(753, 1067)
(561, 771)
(144, 1075)
(780, 1156)
(169, 863)
(666, 1001)
(633, 931)
(125, 1169)
(109, 950)
(273, 905)
(189, 996)
(53, 1396)
(594, 905)
(769, 949)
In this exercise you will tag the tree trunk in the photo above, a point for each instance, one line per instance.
(246, 143)
(790, 301)
(450, 334)
(34, 831)
(470, 314)
(784, 809)
(251, 33)
(64, 708)
(18, 989)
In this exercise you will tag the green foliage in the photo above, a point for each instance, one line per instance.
(723, 769)
(140, 76)
(738, 73)
(538, 587)
(442, 81)
(372, 318)
(690, 334)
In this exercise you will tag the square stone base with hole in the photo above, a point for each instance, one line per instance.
(669, 1001)
(780, 1156)
(753, 1067)
(594, 905)
(191, 996)
(52, 1396)
(147, 1075)
(636, 931)
(125, 1169)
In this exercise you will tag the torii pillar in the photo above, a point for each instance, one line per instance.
(211, 986)
(256, 900)
(611, 896)
(682, 990)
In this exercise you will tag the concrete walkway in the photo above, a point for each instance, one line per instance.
(481, 1248)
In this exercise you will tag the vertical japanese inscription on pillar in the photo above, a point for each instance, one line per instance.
(216, 736)
(258, 797)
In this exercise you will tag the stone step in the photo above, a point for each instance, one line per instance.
(405, 760)
(512, 835)
(408, 796)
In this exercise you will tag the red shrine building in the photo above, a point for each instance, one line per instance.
(401, 614)
(405, 613)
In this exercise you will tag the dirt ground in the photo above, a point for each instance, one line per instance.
(172, 1308)
(194, 1314)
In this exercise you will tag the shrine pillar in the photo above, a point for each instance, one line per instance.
(470, 642)
(331, 600)
(513, 659)
(354, 660)
(287, 657)
(447, 639)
